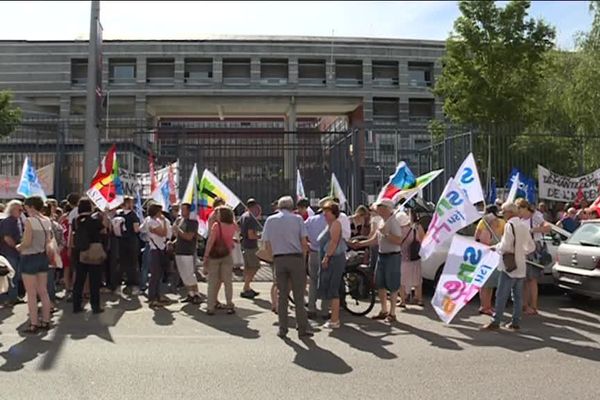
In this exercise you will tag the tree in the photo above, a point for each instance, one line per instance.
(492, 63)
(9, 116)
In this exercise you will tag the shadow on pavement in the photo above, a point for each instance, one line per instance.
(234, 324)
(318, 359)
(359, 340)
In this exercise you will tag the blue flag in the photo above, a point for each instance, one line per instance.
(30, 185)
(139, 210)
(526, 188)
(161, 194)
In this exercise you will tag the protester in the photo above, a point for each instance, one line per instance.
(332, 254)
(185, 230)
(249, 228)
(286, 235)
(315, 225)
(569, 222)
(302, 207)
(34, 263)
(542, 208)
(128, 244)
(11, 232)
(411, 275)
(489, 231)
(159, 231)
(218, 262)
(358, 222)
(517, 240)
(57, 234)
(218, 202)
(537, 228)
(388, 236)
(88, 228)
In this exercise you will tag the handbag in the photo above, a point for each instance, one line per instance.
(94, 255)
(219, 248)
(237, 255)
(415, 246)
(509, 260)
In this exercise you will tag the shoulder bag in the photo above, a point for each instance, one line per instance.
(509, 260)
(415, 246)
(219, 248)
(94, 254)
(51, 247)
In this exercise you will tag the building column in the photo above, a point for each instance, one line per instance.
(293, 70)
(179, 72)
(255, 70)
(140, 74)
(290, 143)
(330, 72)
(218, 70)
(367, 74)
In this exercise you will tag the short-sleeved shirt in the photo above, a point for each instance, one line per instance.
(536, 220)
(346, 226)
(485, 234)
(247, 223)
(285, 232)
(186, 247)
(315, 225)
(392, 225)
(128, 234)
(9, 226)
(157, 242)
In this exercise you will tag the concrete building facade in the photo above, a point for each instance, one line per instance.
(380, 86)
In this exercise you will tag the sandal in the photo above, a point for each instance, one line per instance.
(220, 306)
(380, 316)
(391, 318)
(531, 311)
(46, 325)
(402, 305)
(231, 311)
(32, 329)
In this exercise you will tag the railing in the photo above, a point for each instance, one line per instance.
(312, 82)
(348, 82)
(236, 81)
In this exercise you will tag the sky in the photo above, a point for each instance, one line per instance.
(62, 20)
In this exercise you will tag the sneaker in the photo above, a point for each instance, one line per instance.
(248, 294)
(254, 292)
(332, 325)
(512, 327)
(490, 327)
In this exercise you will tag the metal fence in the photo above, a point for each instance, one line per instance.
(259, 163)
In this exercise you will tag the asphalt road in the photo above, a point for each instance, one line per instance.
(131, 352)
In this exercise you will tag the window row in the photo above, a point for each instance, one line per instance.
(275, 72)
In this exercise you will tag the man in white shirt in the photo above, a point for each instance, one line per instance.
(516, 240)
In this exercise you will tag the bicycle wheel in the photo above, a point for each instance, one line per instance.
(358, 296)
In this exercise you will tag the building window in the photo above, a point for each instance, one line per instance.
(420, 74)
(420, 109)
(236, 71)
(160, 71)
(386, 109)
(79, 71)
(311, 72)
(385, 73)
(273, 71)
(198, 71)
(348, 72)
(122, 71)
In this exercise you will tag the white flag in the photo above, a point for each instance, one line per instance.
(300, 194)
(468, 178)
(513, 189)
(337, 192)
(453, 212)
(468, 266)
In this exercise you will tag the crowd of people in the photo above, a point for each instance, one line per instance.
(76, 247)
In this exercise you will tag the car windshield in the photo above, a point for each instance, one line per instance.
(586, 235)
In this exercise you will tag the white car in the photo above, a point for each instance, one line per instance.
(432, 267)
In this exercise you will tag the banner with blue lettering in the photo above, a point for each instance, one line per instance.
(468, 266)
(468, 178)
(526, 188)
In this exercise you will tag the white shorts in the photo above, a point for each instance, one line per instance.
(186, 267)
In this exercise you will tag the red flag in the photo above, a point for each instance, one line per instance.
(153, 183)
(172, 189)
(579, 198)
(106, 190)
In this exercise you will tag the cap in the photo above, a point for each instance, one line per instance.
(385, 203)
(251, 202)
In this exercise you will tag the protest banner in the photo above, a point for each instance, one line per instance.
(453, 212)
(468, 266)
(556, 187)
(132, 182)
(10, 183)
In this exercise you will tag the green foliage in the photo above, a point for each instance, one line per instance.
(492, 61)
(9, 116)
(437, 130)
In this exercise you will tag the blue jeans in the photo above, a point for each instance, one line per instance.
(145, 267)
(506, 287)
